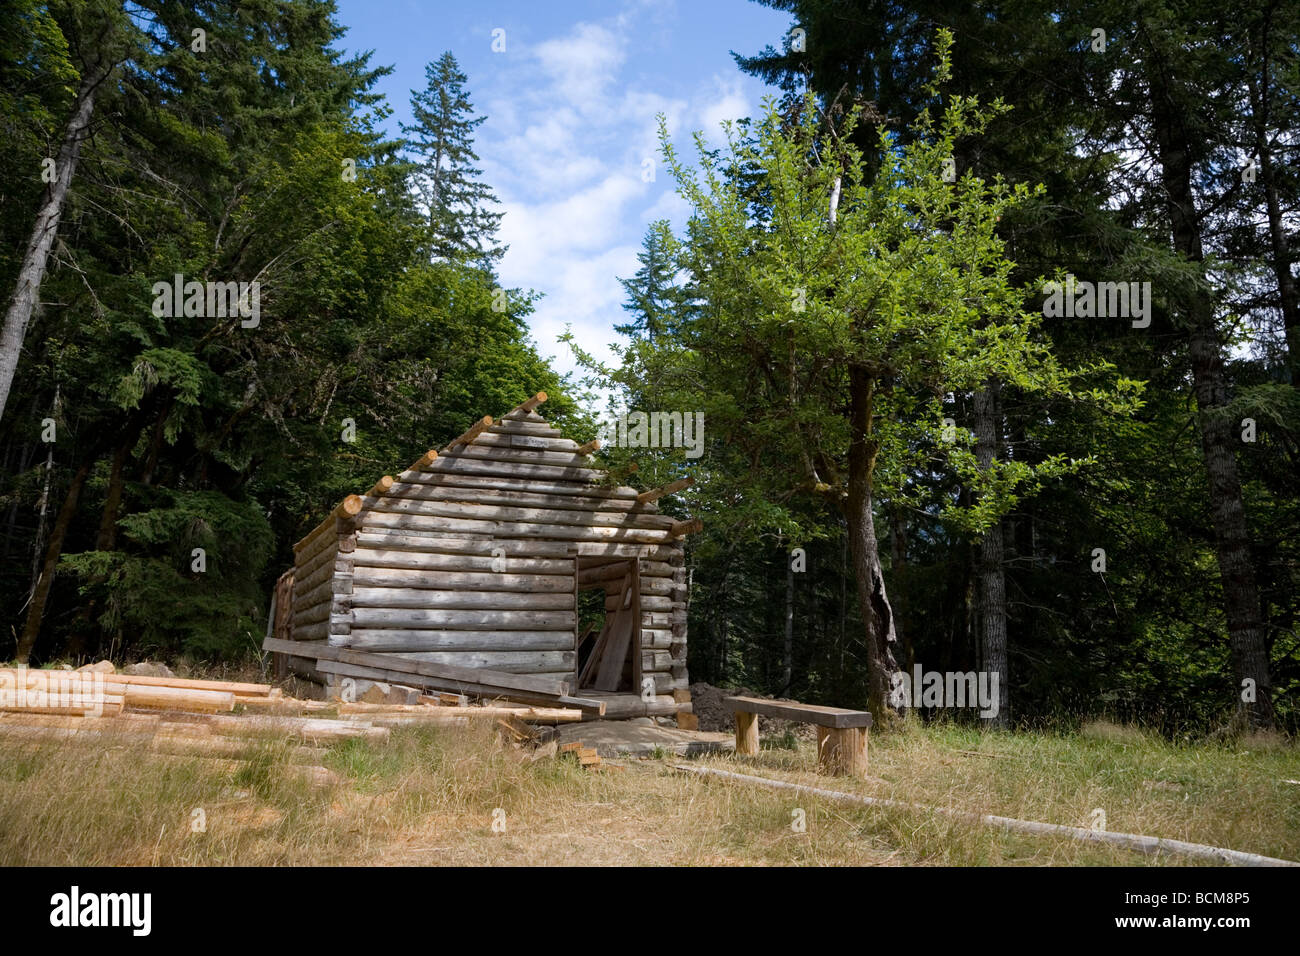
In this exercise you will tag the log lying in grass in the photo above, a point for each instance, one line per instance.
(308, 728)
(175, 698)
(171, 740)
(1132, 841)
(282, 705)
(238, 688)
(108, 706)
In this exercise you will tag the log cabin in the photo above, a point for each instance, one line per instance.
(504, 564)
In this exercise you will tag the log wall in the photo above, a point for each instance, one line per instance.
(473, 558)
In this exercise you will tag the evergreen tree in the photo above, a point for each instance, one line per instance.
(652, 297)
(462, 222)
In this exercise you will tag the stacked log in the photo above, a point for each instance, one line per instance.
(471, 558)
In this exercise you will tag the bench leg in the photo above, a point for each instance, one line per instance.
(747, 734)
(842, 753)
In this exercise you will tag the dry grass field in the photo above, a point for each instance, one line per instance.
(455, 797)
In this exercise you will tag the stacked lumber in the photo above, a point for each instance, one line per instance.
(586, 756)
(220, 720)
(100, 688)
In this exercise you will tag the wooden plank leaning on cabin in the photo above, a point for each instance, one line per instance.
(477, 681)
(609, 674)
(473, 675)
(591, 708)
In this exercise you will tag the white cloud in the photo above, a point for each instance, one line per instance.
(570, 124)
(582, 64)
(726, 102)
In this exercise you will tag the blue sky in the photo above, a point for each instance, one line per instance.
(570, 108)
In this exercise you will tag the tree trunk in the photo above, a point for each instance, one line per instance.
(898, 564)
(1218, 436)
(787, 649)
(1288, 299)
(864, 549)
(32, 272)
(36, 610)
(991, 590)
(78, 642)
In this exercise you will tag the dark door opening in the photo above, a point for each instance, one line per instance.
(609, 625)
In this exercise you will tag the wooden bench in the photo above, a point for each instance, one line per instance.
(841, 733)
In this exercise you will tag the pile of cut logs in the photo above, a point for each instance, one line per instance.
(215, 718)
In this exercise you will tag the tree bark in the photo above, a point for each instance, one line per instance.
(898, 564)
(992, 591)
(1246, 636)
(864, 549)
(32, 272)
(787, 648)
(1279, 242)
(79, 642)
(36, 610)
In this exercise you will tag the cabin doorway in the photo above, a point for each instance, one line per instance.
(609, 624)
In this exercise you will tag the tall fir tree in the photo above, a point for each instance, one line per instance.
(462, 221)
(652, 297)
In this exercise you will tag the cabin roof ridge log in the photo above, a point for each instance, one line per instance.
(508, 551)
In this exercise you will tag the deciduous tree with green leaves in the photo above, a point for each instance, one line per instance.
(831, 313)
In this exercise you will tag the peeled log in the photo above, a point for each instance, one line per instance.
(672, 487)
(482, 425)
(679, 528)
(531, 404)
(234, 687)
(174, 698)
